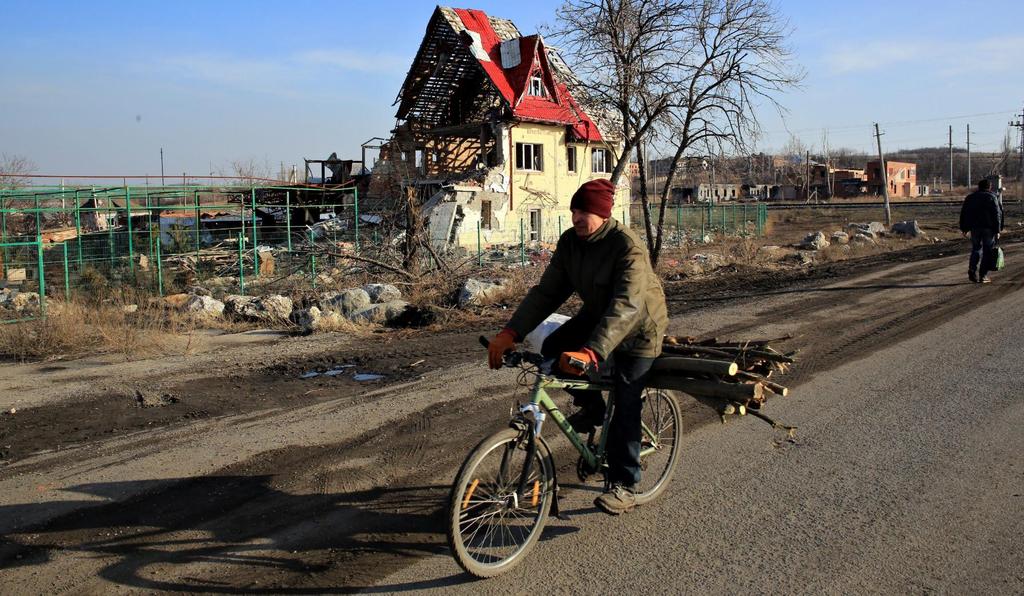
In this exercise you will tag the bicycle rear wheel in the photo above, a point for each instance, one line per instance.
(491, 527)
(659, 445)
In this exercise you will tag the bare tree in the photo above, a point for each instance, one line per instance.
(14, 170)
(733, 60)
(622, 52)
(250, 172)
(684, 73)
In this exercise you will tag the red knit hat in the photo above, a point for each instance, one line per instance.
(595, 197)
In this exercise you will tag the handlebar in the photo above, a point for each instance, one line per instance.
(513, 358)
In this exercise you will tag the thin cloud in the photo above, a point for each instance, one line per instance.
(945, 58)
(343, 59)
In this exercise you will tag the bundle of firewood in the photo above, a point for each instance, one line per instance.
(735, 374)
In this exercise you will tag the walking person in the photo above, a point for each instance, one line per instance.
(981, 218)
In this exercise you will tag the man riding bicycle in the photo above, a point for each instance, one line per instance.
(623, 315)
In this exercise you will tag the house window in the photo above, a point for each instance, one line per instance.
(537, 87)
(570, 156)
(420, 161)
(530, 156)
(600, 161)
(485, 214)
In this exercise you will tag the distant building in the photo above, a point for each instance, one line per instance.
(901, 176)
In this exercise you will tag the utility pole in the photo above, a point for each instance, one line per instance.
(951, 159)
(969, 179)
(162, 182)
(885, 177)
(1019, 124)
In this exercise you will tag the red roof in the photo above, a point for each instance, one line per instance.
(513, 83)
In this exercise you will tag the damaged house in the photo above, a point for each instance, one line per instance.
(489, 134)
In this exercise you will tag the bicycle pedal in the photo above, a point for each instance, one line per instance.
(563, 516)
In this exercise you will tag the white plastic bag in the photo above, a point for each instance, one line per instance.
(535, 339)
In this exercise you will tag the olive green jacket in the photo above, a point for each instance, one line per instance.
(611, 272)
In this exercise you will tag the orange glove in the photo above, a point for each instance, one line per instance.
(587, 356)
(504, 341)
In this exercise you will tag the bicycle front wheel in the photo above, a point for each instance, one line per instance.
(662, 423)
(491, 525)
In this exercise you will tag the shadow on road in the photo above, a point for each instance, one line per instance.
(239, 534)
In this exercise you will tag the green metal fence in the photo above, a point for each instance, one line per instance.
(730, 219)
(142, 235)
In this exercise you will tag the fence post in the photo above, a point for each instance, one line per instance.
(67, 278)
(159, 266)
(356, 198)
(128, 208)
(241, 266)
(255, 238)
(312, 268)
(110, 229)
(3, 233)
(39, 222)
(199, 242)
(288, 217)
(702, 234)
(42, 274)
(479, 246)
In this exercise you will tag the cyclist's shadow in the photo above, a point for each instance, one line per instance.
(241, 533)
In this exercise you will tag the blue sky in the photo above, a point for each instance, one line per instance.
(99, 87)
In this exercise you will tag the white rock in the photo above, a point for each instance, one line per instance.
(815, 241)
(379, 313)
(204, 305)
(475, 291)
(382, 292)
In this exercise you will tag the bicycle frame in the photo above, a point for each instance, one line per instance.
(540, 399)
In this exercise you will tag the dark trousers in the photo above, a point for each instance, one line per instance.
(629, 376)
(983, 251)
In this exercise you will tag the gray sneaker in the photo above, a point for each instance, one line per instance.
(616, 500)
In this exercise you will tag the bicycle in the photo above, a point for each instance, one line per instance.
(506, 487)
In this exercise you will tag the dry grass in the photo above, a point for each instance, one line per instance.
(82, 327)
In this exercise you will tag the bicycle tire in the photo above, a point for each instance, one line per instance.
(661, 414)
(474, 476)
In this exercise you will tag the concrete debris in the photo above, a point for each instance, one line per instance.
(346, 302)
(708, 262)
(907, 228)
(815, 241)
(204, 305)
(272, 308)
(380, 313)
(872, 229)
(313, 319)
(130, 308)
(382, 292)
(24, 301)
(840, 238)
(860, 238)
(475, 291)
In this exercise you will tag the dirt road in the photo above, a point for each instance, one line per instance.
(257, 480)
